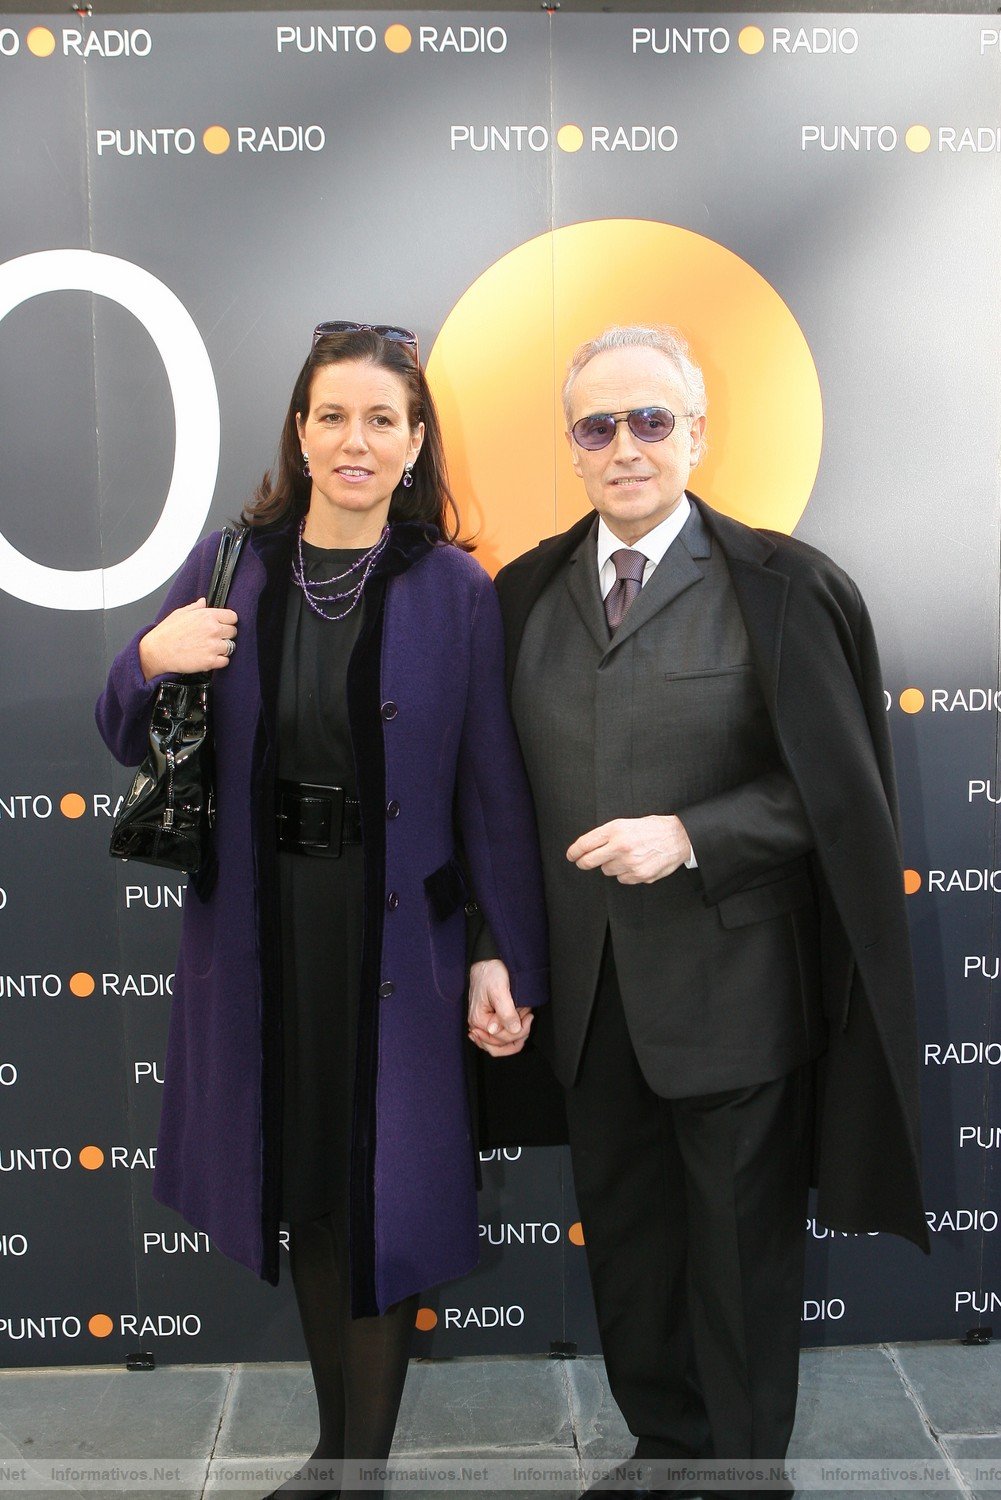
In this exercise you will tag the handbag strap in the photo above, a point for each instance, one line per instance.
(230, 545)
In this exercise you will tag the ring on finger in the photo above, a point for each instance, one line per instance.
(229, 646)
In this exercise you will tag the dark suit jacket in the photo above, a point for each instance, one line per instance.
(815, 655)
(668, 716)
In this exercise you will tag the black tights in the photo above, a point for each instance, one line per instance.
(359, 1364)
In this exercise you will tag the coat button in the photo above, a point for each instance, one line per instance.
(386, 988)
(392, 900)
(471, 908)
(389, 709)
(393, 809)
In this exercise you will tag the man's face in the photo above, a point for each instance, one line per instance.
(634, 485)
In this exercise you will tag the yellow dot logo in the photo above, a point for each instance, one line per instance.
(532, 308)
(216, 140)
(570, 138)
(912, 700)
(750, 39)
(398, 38)
(917, 138)
(72, 805)
(91, 1158)
(82, 984)
(426, 1319)
(100, 1325)
(41, 42)
(575, 1234)
(912, 882)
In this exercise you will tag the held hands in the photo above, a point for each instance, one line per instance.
(191, 639)
(637, 851)
(496, 1024)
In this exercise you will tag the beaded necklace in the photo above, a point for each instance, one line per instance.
(313, 589)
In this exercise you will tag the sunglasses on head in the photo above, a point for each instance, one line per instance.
(651, 424)
(384, 330)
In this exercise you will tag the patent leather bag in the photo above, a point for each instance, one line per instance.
(168, 816)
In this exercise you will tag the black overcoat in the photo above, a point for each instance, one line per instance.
(815, 654)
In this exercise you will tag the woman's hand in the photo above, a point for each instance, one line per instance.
(191, 639)
(496, 1024)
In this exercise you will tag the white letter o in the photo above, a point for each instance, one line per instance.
(196, 426)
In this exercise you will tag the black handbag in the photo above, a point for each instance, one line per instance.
(168, 815)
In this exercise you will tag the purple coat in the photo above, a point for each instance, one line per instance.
(436, 758)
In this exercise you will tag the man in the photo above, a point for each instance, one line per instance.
(701, 713)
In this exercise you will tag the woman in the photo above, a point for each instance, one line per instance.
(315, 1059)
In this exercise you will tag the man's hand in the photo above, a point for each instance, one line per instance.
(637, 851)
(496, 1024)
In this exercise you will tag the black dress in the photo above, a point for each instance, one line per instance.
(321, 908)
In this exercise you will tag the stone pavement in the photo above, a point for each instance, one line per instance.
(488, 1426)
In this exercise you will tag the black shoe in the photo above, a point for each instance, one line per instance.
(625, 1482)
(287, 1493)
(312, 1470)
(607, 1490)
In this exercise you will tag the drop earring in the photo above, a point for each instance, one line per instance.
(307, 471)
(408, 476)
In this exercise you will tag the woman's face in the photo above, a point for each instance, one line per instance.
(358, 437)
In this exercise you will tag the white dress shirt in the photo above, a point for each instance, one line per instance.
(653, 546)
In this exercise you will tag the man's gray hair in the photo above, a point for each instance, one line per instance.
(667, 341)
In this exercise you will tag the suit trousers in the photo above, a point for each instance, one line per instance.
(694, 1216)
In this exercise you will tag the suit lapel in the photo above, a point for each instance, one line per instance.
(760, 590)
(677, 571)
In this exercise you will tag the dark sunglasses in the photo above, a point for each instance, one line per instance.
(384, 330)
(651, 424)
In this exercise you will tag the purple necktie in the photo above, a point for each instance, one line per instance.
(628, 581)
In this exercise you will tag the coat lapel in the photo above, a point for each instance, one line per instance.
(761, 592)
(521, 582)
(582, 584)
(274, 549)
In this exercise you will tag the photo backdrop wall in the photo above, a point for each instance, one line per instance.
(814, 200)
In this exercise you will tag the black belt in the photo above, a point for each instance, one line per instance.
(316, 820)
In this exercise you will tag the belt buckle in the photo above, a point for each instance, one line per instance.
(311, 819)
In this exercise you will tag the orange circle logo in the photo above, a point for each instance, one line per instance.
(82, 985)
(100, 1325)
(72, 805)
(912, 700)
(912, 882)
(426, 1319)
(499, 360)
(575, 1234)
(215, 139)
(91, 1157)
(917, 138)
(570, 138)
(750, 39)
(398, 38)
(41, 42)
